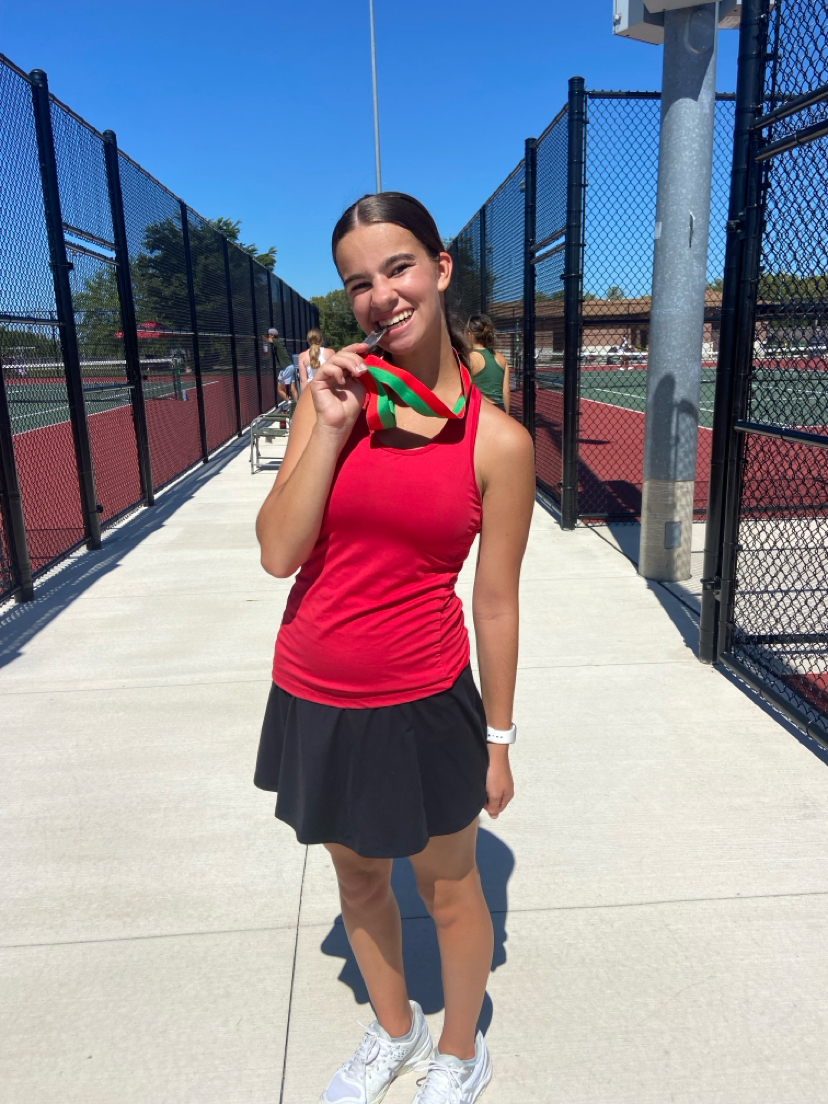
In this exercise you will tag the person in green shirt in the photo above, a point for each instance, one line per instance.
(489, 369)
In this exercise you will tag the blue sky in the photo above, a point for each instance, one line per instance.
(263, 111)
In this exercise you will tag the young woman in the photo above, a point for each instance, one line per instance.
(313, 357)
(490, 370)
(375, 736)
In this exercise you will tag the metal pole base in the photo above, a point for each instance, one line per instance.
(667, 538)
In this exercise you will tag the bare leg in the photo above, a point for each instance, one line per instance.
(449, 883)
(372, 921)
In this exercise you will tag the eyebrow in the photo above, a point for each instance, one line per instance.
(389, 262)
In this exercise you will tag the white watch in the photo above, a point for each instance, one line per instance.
(501, 735)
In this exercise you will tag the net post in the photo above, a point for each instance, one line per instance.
(530, 205)
(273, 365)
(231, 322)
(128, 320)
(65, 309)
(573, 277)
(256, 333)
(754, 28)
(11, 504)
(188, 263)
(748, 96)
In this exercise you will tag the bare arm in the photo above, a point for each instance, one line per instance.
(304, 359)
(291, 516)
(507, 390)
(505, 461)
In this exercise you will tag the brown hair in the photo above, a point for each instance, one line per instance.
(315, 342)
(405, 211)
(481, 327)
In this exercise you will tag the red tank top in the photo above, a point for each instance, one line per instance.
(373, 618)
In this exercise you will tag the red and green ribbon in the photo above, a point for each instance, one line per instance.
(386, 382)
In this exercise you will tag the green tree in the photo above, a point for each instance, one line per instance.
(336, 318)
(616, 292)
(231, 228)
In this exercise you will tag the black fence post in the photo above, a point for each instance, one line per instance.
(231, 322)
(748, 106)
(11, 503)
(283, 323)
(128, 321)
(272, 347)
(573, 277)
(753, 26)
(484, 266)
(258, 336)
(64, 307)
(188, 263)
(530, 187)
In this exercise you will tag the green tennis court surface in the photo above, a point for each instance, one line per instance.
(37, 403)
(788, 396)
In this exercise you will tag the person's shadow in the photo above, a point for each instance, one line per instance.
(422, 956)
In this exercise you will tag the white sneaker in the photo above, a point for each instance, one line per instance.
(447, 1080)
(367, 1076)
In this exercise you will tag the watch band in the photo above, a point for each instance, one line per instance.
(501, 735)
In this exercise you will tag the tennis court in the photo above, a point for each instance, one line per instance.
(37, 392)
(612, 424)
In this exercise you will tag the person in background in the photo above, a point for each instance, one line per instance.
(286, 385)
(313, 357)
(489, 370)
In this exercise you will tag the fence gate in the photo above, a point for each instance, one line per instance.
(765, 610)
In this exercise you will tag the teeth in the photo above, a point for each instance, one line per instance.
(401, 317)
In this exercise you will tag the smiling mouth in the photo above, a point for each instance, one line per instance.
(394, 323)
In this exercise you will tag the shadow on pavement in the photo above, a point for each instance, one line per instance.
(496, 862)
(70, 579)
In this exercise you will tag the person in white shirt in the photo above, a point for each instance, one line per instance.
(313, 357)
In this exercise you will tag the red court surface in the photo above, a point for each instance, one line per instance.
(611, 456)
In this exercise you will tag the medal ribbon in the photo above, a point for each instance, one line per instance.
(384, 382)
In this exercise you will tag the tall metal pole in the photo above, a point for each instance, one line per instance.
(573, 277)
(231, 321)
(530, 162)
(376, 98)
(257, 335)
(11, 505)
(188, 262)
(274, 367)
(484, 264)
(685, 167)
(748, 105)
(127, 303)
(65, 309)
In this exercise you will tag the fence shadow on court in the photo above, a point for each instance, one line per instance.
(496, 862)
(21, 623)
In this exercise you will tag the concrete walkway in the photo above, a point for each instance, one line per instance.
(659, 886)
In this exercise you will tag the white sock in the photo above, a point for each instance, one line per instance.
(464, 1065)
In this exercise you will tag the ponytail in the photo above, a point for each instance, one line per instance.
(315, 339)
(481, 327)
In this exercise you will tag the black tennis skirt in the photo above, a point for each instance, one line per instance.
(380, 781)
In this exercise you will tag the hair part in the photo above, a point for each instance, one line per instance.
(405, 211)
(482, 330)
(315, 339)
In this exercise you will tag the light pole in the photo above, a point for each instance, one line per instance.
(376, 98)
(685, 169)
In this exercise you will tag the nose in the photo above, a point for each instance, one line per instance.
(383, 296)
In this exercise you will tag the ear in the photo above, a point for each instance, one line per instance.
(445, 267)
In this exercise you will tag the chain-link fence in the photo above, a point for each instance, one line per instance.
(765, 609)
(579, 276)
(133, 335)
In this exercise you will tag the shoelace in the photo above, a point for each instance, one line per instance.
(369, 1049)
(441, 1084)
